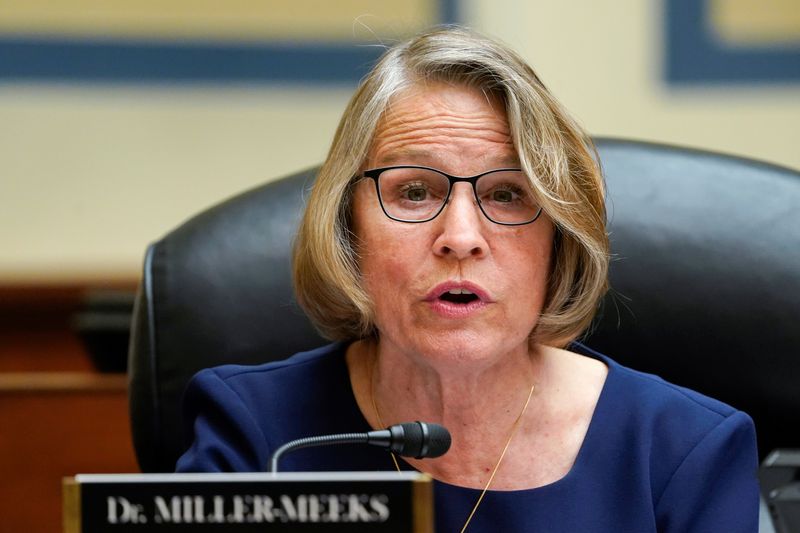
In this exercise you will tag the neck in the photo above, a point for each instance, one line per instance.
(478, 400)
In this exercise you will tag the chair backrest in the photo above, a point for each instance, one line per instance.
(705, 277)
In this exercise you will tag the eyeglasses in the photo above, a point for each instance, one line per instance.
(416, 194)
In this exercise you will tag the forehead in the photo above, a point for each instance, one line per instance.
(438, 124)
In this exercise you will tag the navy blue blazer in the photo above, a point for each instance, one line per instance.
(656, 458)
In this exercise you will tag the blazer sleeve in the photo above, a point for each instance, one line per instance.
(223, 434)
(715, 488)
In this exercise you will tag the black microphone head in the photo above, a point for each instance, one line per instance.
(420, 439)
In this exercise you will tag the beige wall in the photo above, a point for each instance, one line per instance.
(602, 59)
(90, 175)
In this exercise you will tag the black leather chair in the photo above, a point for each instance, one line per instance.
(706, 279)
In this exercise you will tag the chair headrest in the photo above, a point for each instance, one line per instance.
(705, 275)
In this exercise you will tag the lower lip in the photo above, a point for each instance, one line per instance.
(454, 310)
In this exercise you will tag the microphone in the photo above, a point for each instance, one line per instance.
(411, 439)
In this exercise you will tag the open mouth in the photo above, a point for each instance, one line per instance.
(459, 296)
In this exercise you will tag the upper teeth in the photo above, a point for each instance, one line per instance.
(459, 291)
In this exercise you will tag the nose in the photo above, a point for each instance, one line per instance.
(461, 226)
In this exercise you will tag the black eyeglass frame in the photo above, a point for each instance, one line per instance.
(375, 174)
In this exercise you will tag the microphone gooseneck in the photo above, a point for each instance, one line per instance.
(411, 439)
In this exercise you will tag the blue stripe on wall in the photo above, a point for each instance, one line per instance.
(74, 60)
(113, 60)
(449, 12)
(694, 56)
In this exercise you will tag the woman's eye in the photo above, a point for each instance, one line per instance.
(416, 194)
(503, 196)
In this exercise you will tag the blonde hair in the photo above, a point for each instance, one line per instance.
(553, 150)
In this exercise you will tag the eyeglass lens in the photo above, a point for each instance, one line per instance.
(416, 194)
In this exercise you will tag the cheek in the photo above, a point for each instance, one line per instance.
(385, 278)
(384, 259)
(386, 266)
(527, 264)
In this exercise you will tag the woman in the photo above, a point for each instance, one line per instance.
(454, 247)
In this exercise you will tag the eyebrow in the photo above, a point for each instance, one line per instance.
(430, 158)
(405, 154)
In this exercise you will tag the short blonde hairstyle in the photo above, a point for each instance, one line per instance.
(553, 150)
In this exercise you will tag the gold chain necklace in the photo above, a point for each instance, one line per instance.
(499, 460)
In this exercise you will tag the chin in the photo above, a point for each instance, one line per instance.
(457, 347)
